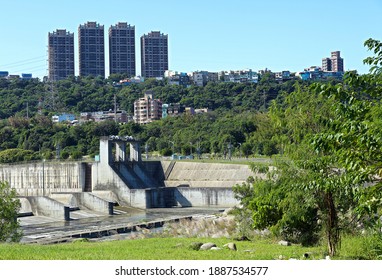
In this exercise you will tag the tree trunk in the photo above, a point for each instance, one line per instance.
(332, 230)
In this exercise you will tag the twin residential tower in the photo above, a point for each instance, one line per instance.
(91, 51)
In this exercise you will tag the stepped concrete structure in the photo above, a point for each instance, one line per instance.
(162, 184)
(73, 190)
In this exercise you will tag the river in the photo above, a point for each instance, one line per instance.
(99, 227)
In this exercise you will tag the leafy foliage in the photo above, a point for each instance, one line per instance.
(331, 134)
(9, 206)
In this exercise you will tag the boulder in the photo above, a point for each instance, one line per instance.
(215, 248)
(284, 243)
(207, 246)
(231, 246)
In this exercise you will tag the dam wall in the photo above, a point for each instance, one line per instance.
(206, 175)
(44, 178)
(96, 185)
(168, 197)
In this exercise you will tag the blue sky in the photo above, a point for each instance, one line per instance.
(203, 34)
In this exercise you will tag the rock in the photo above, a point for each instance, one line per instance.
(196, 246)
(207, 246)
(231, 246)
(242, 238)
(284, 243)
(215, 248)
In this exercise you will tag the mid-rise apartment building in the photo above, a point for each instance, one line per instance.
(91, 44)
(201, 78)
(122, 49)
(60, 54)
(154, 54)
(333, 64)
(147, 109)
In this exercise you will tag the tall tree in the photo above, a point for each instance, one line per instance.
(9, 206)
(334, 149)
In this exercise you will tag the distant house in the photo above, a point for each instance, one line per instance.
(4, 74)
(177, 78)
(201, 78)
(63, 118)
(119, 116)
(239, 76)
(172, 109)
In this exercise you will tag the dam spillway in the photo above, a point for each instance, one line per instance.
(120, 177)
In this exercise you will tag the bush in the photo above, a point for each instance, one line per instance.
(76, 155)
(9, 207)
(15, 155)
(64, 155)
(166, 152)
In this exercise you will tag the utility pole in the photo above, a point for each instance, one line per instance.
(229, 150)
(147, 150)
(115, 107)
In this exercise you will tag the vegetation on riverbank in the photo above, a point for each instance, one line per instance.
(171, 248)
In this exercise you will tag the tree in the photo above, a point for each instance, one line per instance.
(9, 207)
(334, 146)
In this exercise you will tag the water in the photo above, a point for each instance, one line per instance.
(57, 230)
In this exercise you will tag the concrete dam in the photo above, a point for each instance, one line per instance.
(62, 190)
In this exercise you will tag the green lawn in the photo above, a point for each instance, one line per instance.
(156, 249)
(173, 248)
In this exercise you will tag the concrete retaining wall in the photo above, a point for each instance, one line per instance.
(44, 206)
(67, 199)
(41, 179)
(94, 203)
(190, 197)
(26, 207)
(205, 197)
(207, 175)
(84, 201)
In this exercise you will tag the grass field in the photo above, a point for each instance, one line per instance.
(157, 249)
(172, 248)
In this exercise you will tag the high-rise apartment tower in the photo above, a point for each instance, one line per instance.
(122, 49)
(60, 54)
(91, 44)
(333, 64)
(154, 54)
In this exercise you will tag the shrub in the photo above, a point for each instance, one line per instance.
(64, 155)
(9, 206)
(76, 155)
(15, 155)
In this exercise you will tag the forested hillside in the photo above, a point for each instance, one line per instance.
(239, 110)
